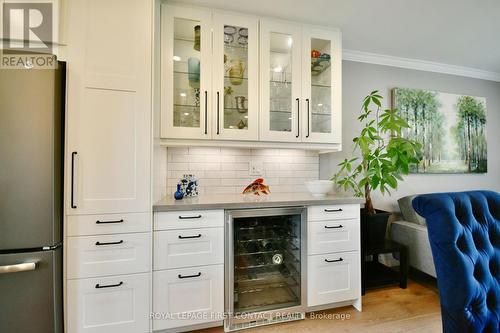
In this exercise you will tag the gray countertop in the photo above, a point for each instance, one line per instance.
(239, 201)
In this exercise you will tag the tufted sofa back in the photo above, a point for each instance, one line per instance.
(464, 232)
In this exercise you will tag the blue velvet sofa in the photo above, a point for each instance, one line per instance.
(464, 233)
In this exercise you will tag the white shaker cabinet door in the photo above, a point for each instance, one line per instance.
(108, 106)
(333, 277)
(190, 296)
(109, 304)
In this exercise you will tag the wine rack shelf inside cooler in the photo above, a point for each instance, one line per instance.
(266, 263)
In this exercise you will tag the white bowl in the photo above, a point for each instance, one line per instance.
(319, 188)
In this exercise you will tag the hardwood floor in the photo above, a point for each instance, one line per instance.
(386, 310)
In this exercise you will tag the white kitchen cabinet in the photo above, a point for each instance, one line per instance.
(189, 219)
(107, 167)
(321, 85)
(333, 277)
(332, 236)
(188, 247)
(210, 75)
(92, 256)
(236, 77)
(280, 75)
(245, 81)
(109, 304)
(300, 83)
(334, 256)
(105, 224)
(332, 212)
(186, 66)
(190, 296)
(108, 106)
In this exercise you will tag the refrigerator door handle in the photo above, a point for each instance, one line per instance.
(24, 267)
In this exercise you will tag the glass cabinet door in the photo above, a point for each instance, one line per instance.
(186, 72)
(235, 77)
(321, 86)
(280, 89)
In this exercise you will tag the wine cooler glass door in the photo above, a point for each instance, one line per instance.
(266, 266)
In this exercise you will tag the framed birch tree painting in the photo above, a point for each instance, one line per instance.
(451, 129)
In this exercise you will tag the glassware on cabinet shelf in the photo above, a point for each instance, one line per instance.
(236, 71)
(197, 37)
(235, 77)
(321, 89)
(280, 85)
(187, 73)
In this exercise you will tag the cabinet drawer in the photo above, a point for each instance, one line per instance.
(188, 247)
(109, 304)
(333, 277)
(188, 219)
(92, 256)
(196, 291)
(332, 212)
(83, 225)
(333, 236)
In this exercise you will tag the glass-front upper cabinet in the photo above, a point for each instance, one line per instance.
(321, 85)
(280, 86)
(186, 47)
(236, 77)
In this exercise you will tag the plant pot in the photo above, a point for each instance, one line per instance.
(373, 227)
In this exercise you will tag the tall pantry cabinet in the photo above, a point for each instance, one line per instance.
(108, 154)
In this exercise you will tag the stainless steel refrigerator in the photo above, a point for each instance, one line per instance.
(31, 199)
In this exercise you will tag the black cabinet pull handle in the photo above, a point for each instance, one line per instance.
(109, 222)
(298, 117)
(335, 260)
(218, 129)
(73, 154)
(308, 116)
(333, 210)
(189, 276)
(98, 286)
(334, 227)
(188, 237)
(109, 243)
(189, 217)
(206, 112)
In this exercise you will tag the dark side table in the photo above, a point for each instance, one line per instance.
(376, 274)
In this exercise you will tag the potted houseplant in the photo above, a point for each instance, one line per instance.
(385, 156)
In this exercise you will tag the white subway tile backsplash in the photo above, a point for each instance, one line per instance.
(204, 166)
(177, 166)
(220, 174)
(234, 166)
(226, 170)
(204, 151)
(235, 151)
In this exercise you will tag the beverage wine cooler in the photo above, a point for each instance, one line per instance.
(265, 266)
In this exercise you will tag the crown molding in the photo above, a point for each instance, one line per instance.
(421, 65)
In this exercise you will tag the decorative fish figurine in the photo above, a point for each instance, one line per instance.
(257, 187)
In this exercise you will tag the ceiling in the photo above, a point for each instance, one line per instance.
(456, 32)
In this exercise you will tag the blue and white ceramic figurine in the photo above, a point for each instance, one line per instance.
(178, 195)
(189, 185)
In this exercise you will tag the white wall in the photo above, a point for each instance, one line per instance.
(226, 170)
(359, 79)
